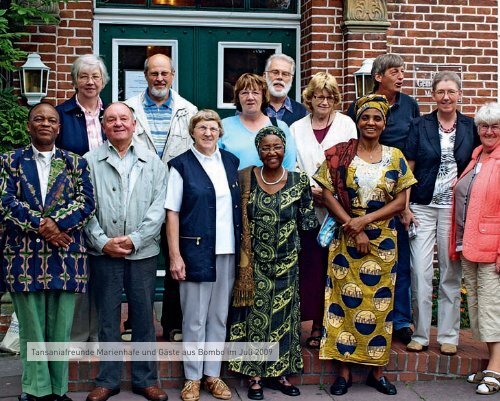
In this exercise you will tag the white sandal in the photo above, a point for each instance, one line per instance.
(475, 377)
(490, 384)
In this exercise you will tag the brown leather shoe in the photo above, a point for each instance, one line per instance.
(152, 393)
(218, 388)
(448, 349)
(191, 390)
(101, 394)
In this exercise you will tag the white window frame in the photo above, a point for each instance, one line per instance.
(116, 43)
(220, 64)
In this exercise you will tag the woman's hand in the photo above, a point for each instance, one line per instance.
(317, 194)
(355, 226)
(407, 217)
(177, 268)
(362, 243)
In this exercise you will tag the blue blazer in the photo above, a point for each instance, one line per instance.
(29, 262)
(423, 147)
(73, 133)
(197, 216)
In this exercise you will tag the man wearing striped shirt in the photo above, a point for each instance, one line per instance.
(162, 115)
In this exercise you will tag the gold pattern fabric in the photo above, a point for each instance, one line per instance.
(275, 316)
(357, 324)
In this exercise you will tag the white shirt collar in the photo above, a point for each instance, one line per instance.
(200, 156)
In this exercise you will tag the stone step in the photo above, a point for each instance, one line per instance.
(403, 366)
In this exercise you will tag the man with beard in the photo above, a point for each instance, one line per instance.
(279, 72)
(162, 121)
(162, 115)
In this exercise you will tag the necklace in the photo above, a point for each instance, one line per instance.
(271, 183)
(448, 130)
(370, 154)
(327, 122)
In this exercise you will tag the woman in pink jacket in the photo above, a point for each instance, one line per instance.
(476, 235)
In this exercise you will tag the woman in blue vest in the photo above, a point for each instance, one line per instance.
(203, 231)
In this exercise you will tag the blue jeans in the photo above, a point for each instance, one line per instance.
(109, 276)
(402, 293)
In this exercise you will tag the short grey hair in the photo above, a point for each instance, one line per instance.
(488, 114)
(89, 60)
(382, 63)
(281, 56)
(446, 76)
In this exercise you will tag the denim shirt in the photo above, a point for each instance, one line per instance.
(144, 214)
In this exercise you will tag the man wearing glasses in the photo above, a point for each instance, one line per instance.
(162, 115)
(279, 72)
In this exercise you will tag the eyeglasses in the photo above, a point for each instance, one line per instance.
(321, 99)
(246, 93)
(450, 93)
(87, 78)
(204, 128)
(277, 73)
(483, 128)
(163, 74)
(276, 148)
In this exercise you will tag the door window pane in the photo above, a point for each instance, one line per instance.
(236, 59)
(272, 4)
(131, 68)
(201, 3)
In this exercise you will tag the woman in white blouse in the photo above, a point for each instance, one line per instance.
(314, 134)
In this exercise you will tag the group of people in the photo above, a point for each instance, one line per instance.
(235, 207)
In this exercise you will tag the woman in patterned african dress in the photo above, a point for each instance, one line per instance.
(275, 203)
(364, 186)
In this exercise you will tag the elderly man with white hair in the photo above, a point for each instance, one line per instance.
(279, 73)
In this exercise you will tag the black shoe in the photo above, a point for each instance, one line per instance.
(403, 334)
(382, 385)
(340, 386)
(63, 397)
(27, 397)
(255, 393)
(276, 384)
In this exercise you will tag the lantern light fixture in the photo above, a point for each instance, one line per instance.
(34, 77)
(363, 80)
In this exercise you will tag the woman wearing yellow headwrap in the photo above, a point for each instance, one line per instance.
(364, 186)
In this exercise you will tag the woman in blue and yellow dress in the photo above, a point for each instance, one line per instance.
(275, 203)
(364, 186)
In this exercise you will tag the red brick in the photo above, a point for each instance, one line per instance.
(407, 376)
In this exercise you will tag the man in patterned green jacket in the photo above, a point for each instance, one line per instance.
(46, 197)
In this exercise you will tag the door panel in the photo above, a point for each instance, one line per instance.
(199, 67)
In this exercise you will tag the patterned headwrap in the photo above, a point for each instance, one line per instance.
(374, 101)
(270, 130)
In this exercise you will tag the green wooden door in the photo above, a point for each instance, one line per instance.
(208, 59)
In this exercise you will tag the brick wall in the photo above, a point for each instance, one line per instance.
(459, 33)
(59, 45)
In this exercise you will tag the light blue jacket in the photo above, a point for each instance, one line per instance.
(145, 212)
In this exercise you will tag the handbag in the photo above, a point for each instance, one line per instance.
(327, 232)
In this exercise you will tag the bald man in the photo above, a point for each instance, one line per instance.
(123, 236)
